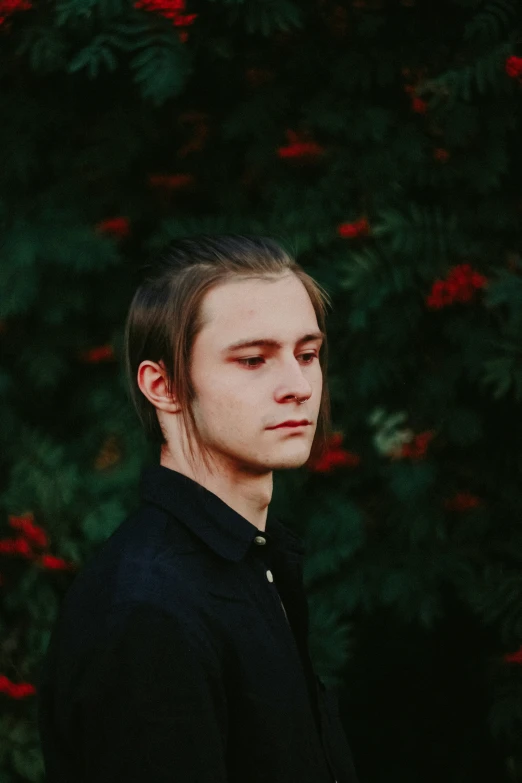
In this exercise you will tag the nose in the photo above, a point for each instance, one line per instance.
(294, 383)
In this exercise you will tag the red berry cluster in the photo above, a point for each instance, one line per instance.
(335, 457)
(8, 7)
(416, 449)
(462, 501)
(353, 230)
(515, 657)
(459, 286)
(32, 536)
(32, 532)
(514, 67)
(15, 690)
(418, 105)
(117, 226)
(16, 546)
(170, 9)
(53, 563)
(300, 147)
(99, 354)
(171, 181)
(441, 154)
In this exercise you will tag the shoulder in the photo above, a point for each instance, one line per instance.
(144, 589)
(147, 560)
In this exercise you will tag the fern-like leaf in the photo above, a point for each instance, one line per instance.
(492, 21)
(45, 48)
(98, 54)
(162, 68)
(266, 16)
(484, 74)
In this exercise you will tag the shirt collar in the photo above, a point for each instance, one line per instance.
(221, 528)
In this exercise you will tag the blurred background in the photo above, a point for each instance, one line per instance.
(379, 141)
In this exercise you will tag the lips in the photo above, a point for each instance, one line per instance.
(291, 424)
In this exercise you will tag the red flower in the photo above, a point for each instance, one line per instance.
(334, 457)
(514, 67)
(118, 226)
(16, 690)
(352, 230)
(462, 501)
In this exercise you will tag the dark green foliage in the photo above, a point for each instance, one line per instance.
(413, 168)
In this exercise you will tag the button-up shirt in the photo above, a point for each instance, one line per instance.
(180, 654)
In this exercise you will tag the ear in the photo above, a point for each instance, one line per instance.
(151, 379)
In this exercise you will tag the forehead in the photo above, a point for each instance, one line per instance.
(277, 307)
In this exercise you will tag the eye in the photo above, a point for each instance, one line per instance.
(250, 359)
(260, 358)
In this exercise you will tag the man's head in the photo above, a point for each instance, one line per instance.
(192, 390)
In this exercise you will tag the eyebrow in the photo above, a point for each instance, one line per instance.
(265, 342)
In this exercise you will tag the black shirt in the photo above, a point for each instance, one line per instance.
(180, 654)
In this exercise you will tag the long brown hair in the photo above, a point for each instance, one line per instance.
(164, 318)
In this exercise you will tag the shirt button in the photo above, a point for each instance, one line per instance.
(260, 540)
(269, 576)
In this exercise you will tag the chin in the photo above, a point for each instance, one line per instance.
(289, 464)
(295, 460)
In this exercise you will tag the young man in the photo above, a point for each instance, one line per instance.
(181, 649)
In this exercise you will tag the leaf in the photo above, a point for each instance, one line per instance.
(28, 762)
(94, 56)
(409, 481)
(162, 69)
(102, 521)
(333, 537)
(69, 9)
(266, 16)
(464, 426)
(499, 373)
(491, 21)
(485, 74)
(46, 50)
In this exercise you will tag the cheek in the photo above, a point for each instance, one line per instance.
(228, 395)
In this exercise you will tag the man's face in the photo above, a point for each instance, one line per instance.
(237, 401)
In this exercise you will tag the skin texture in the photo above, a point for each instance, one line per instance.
(236, 403)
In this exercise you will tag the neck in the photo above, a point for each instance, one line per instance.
(247, 493)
